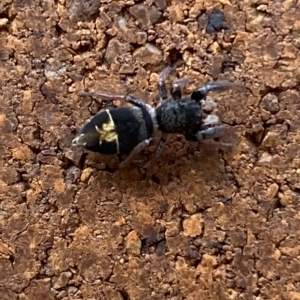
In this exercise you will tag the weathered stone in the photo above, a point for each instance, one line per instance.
(272, 191)
(86, 174)
(148, 55)
(270, 140)
(62, 280)
(193, 226)
(3, 22)
(133, 243)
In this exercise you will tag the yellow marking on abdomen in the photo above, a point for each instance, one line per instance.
(108, 131)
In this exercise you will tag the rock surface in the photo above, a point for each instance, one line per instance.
(210, 222)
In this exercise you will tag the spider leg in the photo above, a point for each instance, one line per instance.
(103, 95)
(210, 133)
(138, 149)
(135, 101)
(161, 144)
(216, 86)
(177, 87)
(107, 96)
(161, 83)
(152, 163)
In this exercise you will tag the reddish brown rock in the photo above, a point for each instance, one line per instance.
(133, 243)
(211, 221)
(148, 54)
(193, 226)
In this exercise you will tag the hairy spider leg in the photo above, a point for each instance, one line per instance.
(104, 95)
(161, 144)
(216, 86)
(153, 161)
(136, 150)
(210, 133)
(161, 83)
(177, 87)
(135, 101)
(108, 96)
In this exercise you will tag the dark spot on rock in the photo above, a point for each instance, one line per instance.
(175, 56)
(227, 65)
(155, 179)
(48, 94)
(58, 30)
(39, 65)
(38, 34)
(256, 134)
(161, 248)
(216, 21)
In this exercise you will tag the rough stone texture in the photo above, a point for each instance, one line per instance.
(210, 222)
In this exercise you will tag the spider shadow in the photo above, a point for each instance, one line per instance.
(206, 160)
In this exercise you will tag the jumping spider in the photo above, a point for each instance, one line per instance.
(128, 130)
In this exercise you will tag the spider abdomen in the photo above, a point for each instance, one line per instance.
(133, 125)
(116, 130)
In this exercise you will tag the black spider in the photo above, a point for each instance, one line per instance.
(128, 130)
